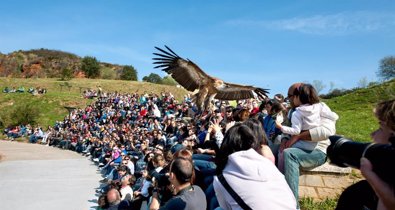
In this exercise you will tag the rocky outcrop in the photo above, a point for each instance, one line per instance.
(43, 63)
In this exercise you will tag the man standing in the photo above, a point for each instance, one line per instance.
(188, 196)
(295, 158)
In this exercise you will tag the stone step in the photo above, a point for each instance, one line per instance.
(325, 181)
(329, 168)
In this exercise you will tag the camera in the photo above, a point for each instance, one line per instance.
(344, 152)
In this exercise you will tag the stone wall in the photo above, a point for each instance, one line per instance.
(326, 181)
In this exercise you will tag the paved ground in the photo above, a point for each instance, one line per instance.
(40, 177)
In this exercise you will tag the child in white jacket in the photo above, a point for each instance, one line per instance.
(310, 113)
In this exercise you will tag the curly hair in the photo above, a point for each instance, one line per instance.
(385, 111)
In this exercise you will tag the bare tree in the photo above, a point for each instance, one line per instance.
(318, 85)
(363, 82)
(331, 86)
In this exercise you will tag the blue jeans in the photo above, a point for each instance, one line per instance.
(295, 158)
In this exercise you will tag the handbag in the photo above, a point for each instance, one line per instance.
(234, 195)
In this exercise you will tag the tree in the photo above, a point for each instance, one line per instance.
(168, 80)
(90, 66)
(387, 68)
(129, 73)
(153, 78)
(67, 74)
(107, 73)
(25, 114)
(318, 85)
(331, 86)
(363, 82)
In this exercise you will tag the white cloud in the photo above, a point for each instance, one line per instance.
(334, 24)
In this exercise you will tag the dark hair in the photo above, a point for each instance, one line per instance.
(276, 106)
(241, 115)
(257, 129)
(102, 201)
(157, 158)
(229, 109)
(307, 94)
(124, 168)
(237, 138)
(182, 169)
(279, 97)
(263, 104)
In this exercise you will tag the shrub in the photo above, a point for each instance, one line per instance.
(168, 80)
(67, 74)
(153, 78)
(129, 73)
(335, 93)
(91, 67)
(25, 114)
(107, 73)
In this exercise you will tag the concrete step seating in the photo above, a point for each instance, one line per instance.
(329, 168)
(325, 181)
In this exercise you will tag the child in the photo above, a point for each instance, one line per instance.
(308, 114)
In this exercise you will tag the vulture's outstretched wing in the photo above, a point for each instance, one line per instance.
(185, 72)
(237, 92)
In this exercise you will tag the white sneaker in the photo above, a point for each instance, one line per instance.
(95, 159)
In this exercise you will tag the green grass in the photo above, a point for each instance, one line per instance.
(310, 204)
(355, 110)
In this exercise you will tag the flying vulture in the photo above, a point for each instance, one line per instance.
(191, 77)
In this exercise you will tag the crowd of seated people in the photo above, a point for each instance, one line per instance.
(90, 93)
(135, 139)
(21, 89)
(13, 132)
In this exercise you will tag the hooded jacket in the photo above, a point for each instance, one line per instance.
(307, 117)
(256, 180)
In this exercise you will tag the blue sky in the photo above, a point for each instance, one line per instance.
(270, 44)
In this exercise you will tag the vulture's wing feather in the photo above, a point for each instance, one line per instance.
(237, 92)
(185, 72)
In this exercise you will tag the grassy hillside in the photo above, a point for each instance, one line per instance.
(355, 110)
(356, 121)
(51, 104)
